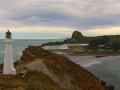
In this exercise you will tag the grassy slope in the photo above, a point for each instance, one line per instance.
(33, 80)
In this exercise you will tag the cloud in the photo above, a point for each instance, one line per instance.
(102, 31)
(36, 32)
(79, 14)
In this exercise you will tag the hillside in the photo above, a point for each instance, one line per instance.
(78, 37)
(39, 69)
(61, 72)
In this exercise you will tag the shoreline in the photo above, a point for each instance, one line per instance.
(96, 63)
(76, 52)
(84, 59)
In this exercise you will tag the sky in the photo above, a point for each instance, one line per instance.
(53, 19)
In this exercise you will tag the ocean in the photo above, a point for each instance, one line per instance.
(105, 68)
(108, 70)
(20, 44)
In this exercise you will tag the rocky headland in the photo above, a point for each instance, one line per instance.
(108, 45)
(78, 37)
(40, 69)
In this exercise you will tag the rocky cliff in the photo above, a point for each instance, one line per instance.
(39, 69)
(59, 69)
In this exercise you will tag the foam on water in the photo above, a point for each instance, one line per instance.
(56, 47)
(88, 64)
(60, 52)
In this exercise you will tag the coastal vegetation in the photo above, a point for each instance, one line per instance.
(104, 43)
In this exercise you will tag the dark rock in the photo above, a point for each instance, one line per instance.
(52, 43)
(77, 35)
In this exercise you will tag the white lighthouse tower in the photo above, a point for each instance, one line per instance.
(8, 68)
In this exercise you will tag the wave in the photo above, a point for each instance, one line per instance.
(56, 47)
(89, 64)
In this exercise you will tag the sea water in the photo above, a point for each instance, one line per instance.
(108, 70)
(20, 44)
(105, 68)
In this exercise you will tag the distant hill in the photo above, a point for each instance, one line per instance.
(78, 37)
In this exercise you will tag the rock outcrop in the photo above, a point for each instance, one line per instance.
(60, 70)
(77, 37)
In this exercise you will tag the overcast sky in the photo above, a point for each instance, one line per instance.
(59, 18)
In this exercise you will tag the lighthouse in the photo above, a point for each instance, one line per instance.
(8, 68)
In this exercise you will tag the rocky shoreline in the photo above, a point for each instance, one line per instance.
(83, 51)
(99, 46)
(44, 70)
